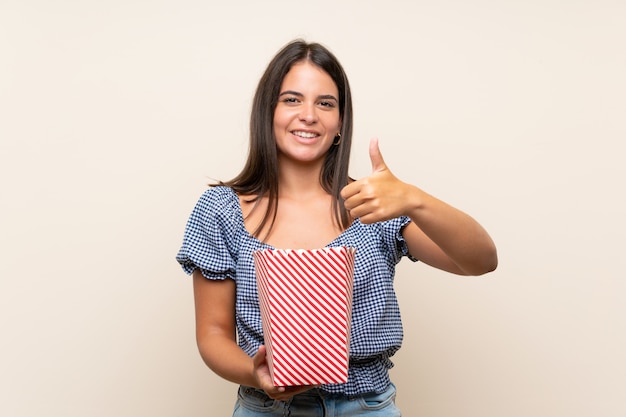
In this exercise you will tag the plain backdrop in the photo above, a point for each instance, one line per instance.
(114, 115)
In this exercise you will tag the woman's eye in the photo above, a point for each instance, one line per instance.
(290, 100)
(327, 104)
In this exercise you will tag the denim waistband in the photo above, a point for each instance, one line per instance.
(316, 402)
(313, 392)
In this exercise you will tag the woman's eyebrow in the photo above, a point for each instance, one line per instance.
(327, 97)
(295, 93)
(290, 92)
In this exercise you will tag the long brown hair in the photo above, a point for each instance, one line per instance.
(259, 176)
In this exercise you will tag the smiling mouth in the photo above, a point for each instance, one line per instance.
(306, 135)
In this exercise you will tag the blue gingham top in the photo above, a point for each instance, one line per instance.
(217, 242)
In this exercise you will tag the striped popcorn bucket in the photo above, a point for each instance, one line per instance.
(306, 308)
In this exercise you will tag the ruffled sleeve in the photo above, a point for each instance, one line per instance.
(210, 240)
(394, 240)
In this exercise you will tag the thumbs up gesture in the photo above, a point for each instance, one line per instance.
(380, 196)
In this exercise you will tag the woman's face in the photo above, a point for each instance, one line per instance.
(306, 119)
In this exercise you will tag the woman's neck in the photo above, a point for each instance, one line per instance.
(300, 180)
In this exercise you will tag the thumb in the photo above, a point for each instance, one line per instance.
(259, 357)
(378, 163)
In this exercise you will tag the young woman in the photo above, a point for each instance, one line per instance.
(295, 192)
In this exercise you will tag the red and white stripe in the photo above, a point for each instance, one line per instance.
(306, 307)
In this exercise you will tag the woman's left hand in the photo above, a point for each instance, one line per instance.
(378, 197)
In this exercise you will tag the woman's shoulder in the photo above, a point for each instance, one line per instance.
(219, 199)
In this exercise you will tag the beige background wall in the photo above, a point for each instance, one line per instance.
(114, 114)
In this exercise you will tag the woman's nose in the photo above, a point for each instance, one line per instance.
(308, 114)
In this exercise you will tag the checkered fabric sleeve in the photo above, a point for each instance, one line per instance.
(392, 236)
(209, 242)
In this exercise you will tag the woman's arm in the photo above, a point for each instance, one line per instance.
(216, 331)
(216, 336)
(447, 238)
(440, 235)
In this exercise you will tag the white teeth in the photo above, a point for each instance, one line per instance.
(305, 134)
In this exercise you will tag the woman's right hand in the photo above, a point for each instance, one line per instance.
(264, 379)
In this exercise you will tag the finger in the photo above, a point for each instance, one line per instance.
(259, 357)
(350, 190)
(378, 163)
(369, 218)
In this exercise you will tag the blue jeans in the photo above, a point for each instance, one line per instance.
(316, 403)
